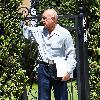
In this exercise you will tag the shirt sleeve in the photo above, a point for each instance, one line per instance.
(30, 32)
(70, 53)
(25, 31)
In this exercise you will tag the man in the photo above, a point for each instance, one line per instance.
(56, 49)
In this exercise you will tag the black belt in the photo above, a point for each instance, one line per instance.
(42, 62)
(50, 62)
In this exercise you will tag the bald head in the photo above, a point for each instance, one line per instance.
(52, 13)
(49, 19)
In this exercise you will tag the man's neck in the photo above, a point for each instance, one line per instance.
(51, 28)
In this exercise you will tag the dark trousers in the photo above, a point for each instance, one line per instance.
(45, 83)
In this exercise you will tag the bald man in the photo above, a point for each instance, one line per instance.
(57, 56)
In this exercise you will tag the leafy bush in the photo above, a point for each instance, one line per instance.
(12, 77)
(93, 18)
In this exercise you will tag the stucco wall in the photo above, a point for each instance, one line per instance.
(26, 3)
(23, 7)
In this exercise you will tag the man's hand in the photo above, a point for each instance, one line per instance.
(66, 77)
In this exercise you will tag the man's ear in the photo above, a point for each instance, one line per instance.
(53, 19)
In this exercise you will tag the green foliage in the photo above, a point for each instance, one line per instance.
(94, 80)
(93, 18)
(62, 6)
(12, 77)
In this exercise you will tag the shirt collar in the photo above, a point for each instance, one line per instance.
(55, 31)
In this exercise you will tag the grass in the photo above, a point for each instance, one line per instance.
(33, 94)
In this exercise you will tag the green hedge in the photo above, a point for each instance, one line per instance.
(93, 18)
(12, 77)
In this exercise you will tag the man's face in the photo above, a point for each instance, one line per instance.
(47, 20)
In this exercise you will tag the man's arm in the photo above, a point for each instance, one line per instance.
(30, 32)
(70, 57)
(26, 31)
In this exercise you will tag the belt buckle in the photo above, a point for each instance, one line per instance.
(51, 62)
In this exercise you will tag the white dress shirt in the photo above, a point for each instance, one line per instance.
(57, 46)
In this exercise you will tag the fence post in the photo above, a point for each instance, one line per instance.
(83, 87)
